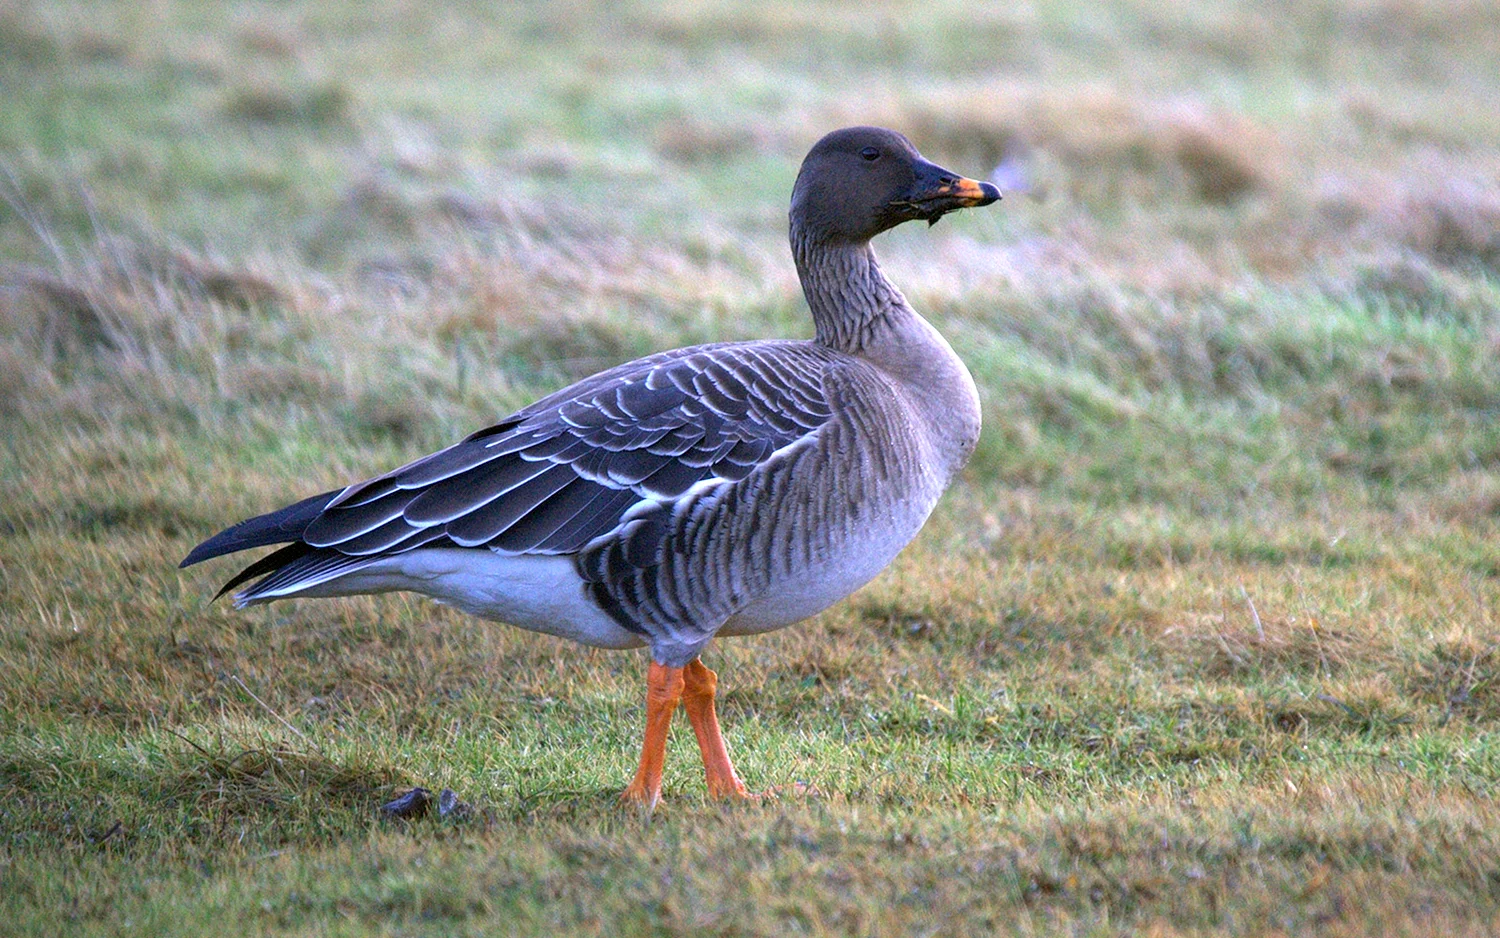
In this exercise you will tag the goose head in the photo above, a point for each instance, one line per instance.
(860, 181)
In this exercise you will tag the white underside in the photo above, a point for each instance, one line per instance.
(539, 593)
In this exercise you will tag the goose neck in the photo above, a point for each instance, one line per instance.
(851, 299)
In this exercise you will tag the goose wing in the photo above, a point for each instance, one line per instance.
(562, 472)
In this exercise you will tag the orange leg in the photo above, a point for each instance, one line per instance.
(663, 691)
(698, 700)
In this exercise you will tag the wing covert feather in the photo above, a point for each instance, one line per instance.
(566, 470)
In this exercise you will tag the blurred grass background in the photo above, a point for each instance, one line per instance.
(1203, 642)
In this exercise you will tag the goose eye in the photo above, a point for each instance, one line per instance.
(870, 153)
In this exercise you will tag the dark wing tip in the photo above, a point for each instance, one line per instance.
(209, 548)
(200, 553)
(270, 563)
(278, 527)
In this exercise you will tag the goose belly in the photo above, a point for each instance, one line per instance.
(538, 593)
(842, 565)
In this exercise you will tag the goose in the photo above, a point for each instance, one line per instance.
(718, 490)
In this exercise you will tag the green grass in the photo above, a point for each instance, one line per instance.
(1203, 642)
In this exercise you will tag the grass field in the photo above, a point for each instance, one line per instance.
(1203, 642)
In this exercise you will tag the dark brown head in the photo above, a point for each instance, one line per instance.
(860, 181)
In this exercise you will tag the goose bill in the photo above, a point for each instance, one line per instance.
(963, 193)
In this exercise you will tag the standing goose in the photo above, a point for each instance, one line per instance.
(723, 489)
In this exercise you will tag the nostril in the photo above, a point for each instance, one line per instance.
(948, 180)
